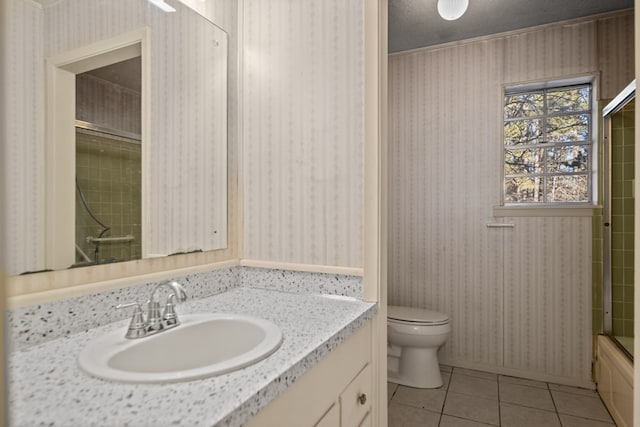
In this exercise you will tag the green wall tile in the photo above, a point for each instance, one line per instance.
(628, 189)
(617, 294)
(618, 326)
(629, 293)
(629, 153)
(618, 309)
(107, 187)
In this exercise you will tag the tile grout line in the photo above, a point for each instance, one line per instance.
(446, 393)
(499, 402)
(597, 397)
(453, 368)
(554, 404)
(547, 387)
(606, 408)
(522, 405)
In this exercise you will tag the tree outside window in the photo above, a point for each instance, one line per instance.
(547, 145)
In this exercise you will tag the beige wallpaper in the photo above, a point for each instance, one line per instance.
(303, 131)
(23, 137)
(547, 296)
(615, 54)
(518, 298)
(107, 104)
(441, 255)
(188, 185)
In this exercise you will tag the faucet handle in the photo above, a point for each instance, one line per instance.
(137, 325)
(169, 315)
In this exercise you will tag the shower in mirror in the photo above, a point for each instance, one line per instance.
(618, 251)
(108, 163)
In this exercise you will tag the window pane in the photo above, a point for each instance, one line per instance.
(567, 188)
(568, 128)
(568, 100)
(547, 145)
(523, 190)
(523, 105)
(568, 159)
(522, 162)
(520, 132)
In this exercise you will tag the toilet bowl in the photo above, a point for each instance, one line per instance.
(414, 336)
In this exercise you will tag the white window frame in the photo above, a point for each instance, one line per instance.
(568, 208)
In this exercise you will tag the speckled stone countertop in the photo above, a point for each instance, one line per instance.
(47, 388)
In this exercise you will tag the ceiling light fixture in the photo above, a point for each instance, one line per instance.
(452, 9)
(162, 5)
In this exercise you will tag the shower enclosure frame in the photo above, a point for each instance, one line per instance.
(617, 104)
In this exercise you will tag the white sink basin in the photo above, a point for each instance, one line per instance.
(203, 345)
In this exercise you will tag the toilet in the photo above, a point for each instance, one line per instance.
(414, 336)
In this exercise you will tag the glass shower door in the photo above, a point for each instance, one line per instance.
(619, 123)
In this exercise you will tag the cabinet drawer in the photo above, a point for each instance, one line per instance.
(355, 400)
(367, 421)
(331, 418)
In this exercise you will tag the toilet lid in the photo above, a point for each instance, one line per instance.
(416, 315)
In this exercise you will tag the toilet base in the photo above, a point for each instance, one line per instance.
(415, 367)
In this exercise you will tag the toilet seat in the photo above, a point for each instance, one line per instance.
(416, 316)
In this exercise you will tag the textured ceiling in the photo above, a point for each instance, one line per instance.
(416, 23)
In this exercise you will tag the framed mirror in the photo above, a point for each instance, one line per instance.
(109, 191)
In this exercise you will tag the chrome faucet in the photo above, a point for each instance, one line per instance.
(155, 322)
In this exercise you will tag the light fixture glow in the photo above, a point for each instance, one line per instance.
(452, 9)
(162, 5)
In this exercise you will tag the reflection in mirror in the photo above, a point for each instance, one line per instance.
(108, 164)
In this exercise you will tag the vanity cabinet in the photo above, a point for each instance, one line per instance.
(353, 407)
(355, 400)
(337, 392)
(331, 418)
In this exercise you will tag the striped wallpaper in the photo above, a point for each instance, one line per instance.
(187, 206)
(107, 104)
(518, 298)
(441, 256)
(303, 131)
(547, 296)
(188, 144)
(615, 54)
(24, 136)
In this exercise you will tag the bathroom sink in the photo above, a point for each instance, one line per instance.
(203, 345)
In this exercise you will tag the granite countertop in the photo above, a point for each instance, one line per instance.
(47, 388)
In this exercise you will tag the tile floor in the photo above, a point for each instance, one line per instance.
(474, 399)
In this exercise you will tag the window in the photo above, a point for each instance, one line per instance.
(547, 145)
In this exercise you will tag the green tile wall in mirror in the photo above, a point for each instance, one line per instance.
(108, 213)
(130, 116)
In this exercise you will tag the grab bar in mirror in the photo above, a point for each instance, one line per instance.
(127, 238)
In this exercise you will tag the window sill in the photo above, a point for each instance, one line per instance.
(547, 210)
